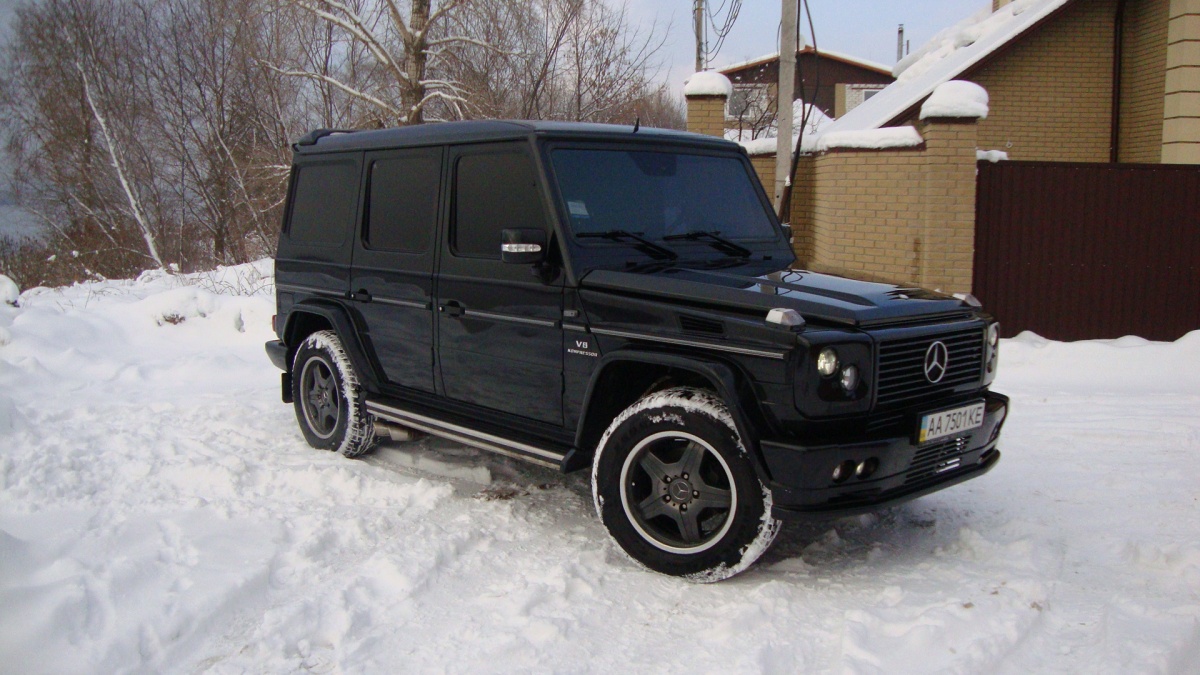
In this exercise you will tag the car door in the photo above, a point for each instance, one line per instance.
(392, 275)
(498, 325)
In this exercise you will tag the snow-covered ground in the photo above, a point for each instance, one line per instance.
(160, 512)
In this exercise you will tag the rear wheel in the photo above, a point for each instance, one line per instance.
(676, 489)
(328, 398)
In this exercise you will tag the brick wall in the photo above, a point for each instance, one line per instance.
(1181, 123)
(1052, 90)
(706, 115)
(1143, 81)
(764, 166)
(901, 215)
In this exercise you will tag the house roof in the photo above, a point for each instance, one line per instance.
(951, 53)
(824, 53)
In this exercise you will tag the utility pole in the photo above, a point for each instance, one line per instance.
(698, 26)
(783, 114)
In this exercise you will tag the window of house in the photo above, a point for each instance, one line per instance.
(748, 101)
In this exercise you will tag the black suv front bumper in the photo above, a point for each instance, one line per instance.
(802, 482)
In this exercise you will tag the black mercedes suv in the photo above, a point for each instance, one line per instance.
(621, 300)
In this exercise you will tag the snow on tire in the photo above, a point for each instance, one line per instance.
(676, 489)
(328, 397)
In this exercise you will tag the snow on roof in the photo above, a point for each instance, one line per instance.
(708, 83)
(956, 98)
(824, 53)
(950, 53)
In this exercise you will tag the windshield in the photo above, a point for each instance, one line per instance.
(659, 195)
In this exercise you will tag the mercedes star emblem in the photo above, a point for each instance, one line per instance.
(935, 362)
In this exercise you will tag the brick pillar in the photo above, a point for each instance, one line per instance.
(707, 93)
(706, 115)
(1181, 111)
(945, 249)
(803, 208)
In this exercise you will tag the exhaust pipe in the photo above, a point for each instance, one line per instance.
(395, 432)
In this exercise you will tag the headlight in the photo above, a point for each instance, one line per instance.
(850, 378)
(993, 353)
(827, 362)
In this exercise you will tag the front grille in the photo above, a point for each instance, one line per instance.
(935, 460)
(902, 366)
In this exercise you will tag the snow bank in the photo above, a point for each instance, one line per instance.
(956, 98)
(708, 83)
(766, 145)
(872, 139)
(9, 293)
(160, 512)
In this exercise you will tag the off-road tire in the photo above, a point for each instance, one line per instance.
(328, 398)
(706, 515)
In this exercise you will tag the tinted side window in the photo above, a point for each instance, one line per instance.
(323, 204)
(402, 206)
(493, 192)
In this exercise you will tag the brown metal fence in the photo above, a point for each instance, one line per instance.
(1078, 251)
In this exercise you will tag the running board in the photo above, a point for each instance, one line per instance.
(467, 436)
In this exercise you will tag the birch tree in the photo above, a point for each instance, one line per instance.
(406, 46)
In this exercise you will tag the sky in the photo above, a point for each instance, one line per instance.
(862, 28)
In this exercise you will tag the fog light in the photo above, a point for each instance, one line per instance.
(850, 378)
(844, 470)
(866, 467)
(827, 362)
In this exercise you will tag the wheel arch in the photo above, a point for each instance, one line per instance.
(311, 316)
(635, 374)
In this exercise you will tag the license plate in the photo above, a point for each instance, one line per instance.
(950, 422)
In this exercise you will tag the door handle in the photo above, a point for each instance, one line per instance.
(362, 295)
(453, 308)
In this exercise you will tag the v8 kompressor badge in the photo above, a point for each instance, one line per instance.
(582, 348)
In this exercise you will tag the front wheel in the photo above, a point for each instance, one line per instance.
(328, 397)
(676, 489)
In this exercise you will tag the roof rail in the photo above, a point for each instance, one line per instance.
(312, 137)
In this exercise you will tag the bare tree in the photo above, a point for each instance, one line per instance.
(156, 133)
(73, 101)
(402, 84)
(560, 59)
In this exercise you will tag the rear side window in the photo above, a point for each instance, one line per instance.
(493, 192)
(402, 206)
(323, 204)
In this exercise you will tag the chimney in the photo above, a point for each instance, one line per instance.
(997, 4)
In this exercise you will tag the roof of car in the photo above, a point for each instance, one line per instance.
(325, 140)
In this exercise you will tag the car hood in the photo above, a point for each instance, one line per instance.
(817, 297)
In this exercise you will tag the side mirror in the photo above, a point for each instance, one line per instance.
(523, 246)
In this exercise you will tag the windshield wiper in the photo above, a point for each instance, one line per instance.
(645, 245)
(720, 243)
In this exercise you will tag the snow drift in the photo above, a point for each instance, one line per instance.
(159, 511)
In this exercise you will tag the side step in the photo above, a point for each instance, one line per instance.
(468, 436)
